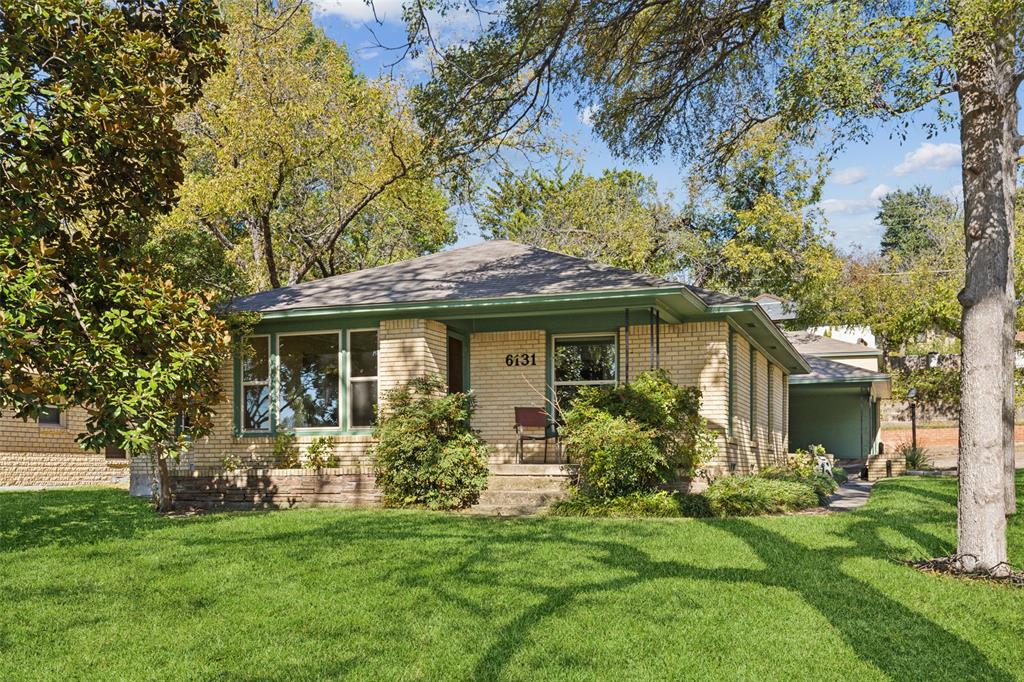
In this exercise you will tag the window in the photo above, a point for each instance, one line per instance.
(256, 384)
(308, 380)
(49, 416)
(582, 361)
(362, 378)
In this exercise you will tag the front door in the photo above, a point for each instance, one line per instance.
(456, 378)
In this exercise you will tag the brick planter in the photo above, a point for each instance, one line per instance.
(877, 466)
(274, 489)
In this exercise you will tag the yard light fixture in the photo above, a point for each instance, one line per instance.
(912, 394)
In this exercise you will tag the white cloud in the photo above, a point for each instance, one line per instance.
(358, 11)
(586, 115)
(858, 206)
(850, 176)
(929, 157)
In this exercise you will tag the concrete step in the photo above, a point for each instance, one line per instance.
(539, 483)
(532, 469)
(517, 497)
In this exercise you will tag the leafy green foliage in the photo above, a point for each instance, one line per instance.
(426, 454)
(917, 459)
(616, 455)
(666, 413)
(297, 167)
(321, 453)
(88, 94)
(938, 387)
(661, 503)
(616, 218)
(909, 217)
(756, 495)
(823, 485)
(285, 451)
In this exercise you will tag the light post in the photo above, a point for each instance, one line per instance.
(912, 394)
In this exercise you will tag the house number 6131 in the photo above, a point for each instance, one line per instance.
(520, 359)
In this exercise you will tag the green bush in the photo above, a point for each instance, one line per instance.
(917, 458)
(426, 454)
(659, 504)
(823, 485)
(286, 453)
(320, 454)
(632, 437)
(616, 456)
(839, 475)
(756, 495)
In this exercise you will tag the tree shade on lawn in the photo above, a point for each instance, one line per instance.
(94, 586)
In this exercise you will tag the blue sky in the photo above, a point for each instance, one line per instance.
(861, 174)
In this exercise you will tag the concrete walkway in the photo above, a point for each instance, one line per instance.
(851, 495)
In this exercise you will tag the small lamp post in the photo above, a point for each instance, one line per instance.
(912, 394)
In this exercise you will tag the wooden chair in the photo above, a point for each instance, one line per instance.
(536, 418)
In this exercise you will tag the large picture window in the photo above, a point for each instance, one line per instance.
(582, 361)
(362, 378)
(308, 380)
(256, 384)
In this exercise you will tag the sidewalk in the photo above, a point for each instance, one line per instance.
(851, 495)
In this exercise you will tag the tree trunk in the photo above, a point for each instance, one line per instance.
(985, 79)
(165, 502)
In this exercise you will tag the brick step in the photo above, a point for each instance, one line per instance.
(539, 483)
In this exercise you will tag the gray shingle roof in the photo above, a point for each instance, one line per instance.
(492, 269)
(813, 344)
(824, 370)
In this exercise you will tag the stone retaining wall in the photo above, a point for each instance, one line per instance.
(274, 489)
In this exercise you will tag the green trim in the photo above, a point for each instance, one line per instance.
(236, 387)
(549, 375)
(732, 382)
(873, 352)
(838, 380)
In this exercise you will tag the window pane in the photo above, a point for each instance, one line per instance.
(363, 353)
(363, 397)
(50, 416)
(309, 380)
(585, 359)
(256, 358)
(256, 408)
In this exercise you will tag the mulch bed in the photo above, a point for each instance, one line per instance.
(953, 565)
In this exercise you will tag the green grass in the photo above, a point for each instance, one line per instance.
(94, 586)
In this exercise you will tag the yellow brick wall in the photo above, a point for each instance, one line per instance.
(34, 454)
(751, 452)
(499, 388)
(411, 349)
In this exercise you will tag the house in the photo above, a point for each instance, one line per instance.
(517, 325)
(837, 403)
(43, 452)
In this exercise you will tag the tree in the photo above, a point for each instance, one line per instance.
(910, 218)
(751, 228)
(88, 93)
(616, 218)
(297, 167)
(697, 76)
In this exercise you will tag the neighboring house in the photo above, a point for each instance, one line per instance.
(837, 404)
(517, 326)
(43, 452)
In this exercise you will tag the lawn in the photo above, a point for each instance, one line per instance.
(94, 586)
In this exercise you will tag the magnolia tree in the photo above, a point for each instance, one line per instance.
(698, 77)
(88, 93)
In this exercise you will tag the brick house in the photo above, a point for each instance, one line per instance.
(517, 325)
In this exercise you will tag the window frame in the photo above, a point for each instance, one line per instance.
(613, 336)
(276, 384)
(349, 379)
(269, 383)
(60, 424)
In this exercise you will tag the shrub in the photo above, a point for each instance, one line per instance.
(650, 409)
(839, 475)
(823, 485)
(916, 458)
(286, 454)
(659, 504)
(426, 454)
(755, 495)
(616, 456)
(320, 454)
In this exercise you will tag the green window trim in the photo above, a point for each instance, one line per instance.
(343, 429)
